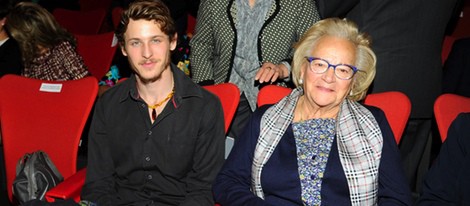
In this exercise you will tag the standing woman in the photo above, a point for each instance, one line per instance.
(244, 41)
(318, 145)
(47, 49)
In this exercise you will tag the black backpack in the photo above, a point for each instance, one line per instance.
(35, 175)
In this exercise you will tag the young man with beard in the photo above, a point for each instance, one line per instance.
(156, 138)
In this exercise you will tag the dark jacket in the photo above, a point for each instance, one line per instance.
(280, 176)
(448, 180)
(456, 79)
(10, 58)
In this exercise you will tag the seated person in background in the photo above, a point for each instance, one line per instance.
(157, 138)
(318, 145)
(448, 180)
(47, 49)
(10, 55)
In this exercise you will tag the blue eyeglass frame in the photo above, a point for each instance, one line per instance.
(310, 59)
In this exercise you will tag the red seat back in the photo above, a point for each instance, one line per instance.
(229, 96)
(97, 52)
(191, 24)
(116, 14)
(44, 115)
(397, 108)
(446, 109)
(447, 47)
(80, 22)
(462, 29)
(271, 94)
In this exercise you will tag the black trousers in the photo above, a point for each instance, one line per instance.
(415, 147)
(241, 118)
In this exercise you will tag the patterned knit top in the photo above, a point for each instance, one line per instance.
(59, 63)
(313, 139)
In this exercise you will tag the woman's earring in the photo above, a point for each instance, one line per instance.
(350, 92)
(301, 81)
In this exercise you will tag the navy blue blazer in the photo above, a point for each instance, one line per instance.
(448, 180)
(280, 177)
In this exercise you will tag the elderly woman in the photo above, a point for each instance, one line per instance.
(318, 145)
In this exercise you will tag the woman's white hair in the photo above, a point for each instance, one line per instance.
(341, 28)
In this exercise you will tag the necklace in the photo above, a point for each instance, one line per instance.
(153, 107)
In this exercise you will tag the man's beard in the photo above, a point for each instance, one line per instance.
(153, 78)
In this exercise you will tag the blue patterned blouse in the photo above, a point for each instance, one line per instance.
(313, 139)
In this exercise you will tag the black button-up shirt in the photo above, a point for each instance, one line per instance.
(170, 162)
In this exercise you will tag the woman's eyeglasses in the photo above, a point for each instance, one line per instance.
(342, 71)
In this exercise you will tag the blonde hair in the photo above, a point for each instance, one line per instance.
(341, 28)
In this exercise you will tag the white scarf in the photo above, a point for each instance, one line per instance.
(359, 145)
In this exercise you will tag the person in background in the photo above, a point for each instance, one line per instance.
(157, 138)
(48, 50)
(10, 55)
(318, 145)
(407, 39)
(243, 42)
(456, 74)
(447, 181)
(10, 63)
(180, 9)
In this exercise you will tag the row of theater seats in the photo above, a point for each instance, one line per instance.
(97, 51)
(55, 113)
(39, 115)
(88, 21)
(461, 30)
(96, 47)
